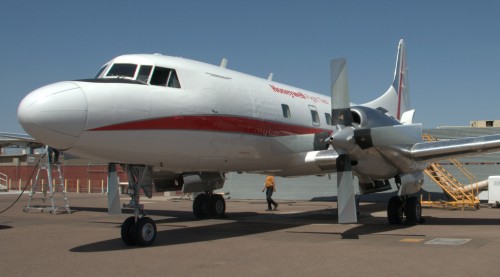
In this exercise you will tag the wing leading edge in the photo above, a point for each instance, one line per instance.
(439, 150)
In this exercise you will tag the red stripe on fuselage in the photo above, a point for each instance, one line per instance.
(216, 123)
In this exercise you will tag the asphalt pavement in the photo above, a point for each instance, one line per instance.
(302, 238)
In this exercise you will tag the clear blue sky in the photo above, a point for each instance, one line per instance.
(453, 46)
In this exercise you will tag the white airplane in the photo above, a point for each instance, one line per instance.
(175, 123)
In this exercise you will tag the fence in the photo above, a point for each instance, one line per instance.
(78, 186)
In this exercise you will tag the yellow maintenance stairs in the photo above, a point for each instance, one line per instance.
(459, 196)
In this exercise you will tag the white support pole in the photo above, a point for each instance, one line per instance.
(113, 195)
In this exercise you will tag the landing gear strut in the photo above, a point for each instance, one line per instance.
(406, 206)
(209, 205)
(138, 229)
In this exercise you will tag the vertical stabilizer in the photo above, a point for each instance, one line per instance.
(396, 100)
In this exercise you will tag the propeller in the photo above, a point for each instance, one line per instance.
(349, 142)
(343, 141)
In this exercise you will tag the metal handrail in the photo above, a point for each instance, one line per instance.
(449, 184)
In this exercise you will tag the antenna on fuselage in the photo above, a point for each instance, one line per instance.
(270, 78)
(223, 63)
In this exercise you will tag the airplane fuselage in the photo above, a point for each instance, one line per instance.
(213, 119)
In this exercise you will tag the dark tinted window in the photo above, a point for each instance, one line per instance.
(144, 72)
(173, 81)
(286, 111)
(165, 77)
(314, 115)
(328, 118)
(122, 70)
(160, 76)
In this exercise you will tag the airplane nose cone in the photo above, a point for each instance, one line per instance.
(55, 114)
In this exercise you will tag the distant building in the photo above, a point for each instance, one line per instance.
(484, 123)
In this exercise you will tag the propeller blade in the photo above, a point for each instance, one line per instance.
(343, 141)
(341, 112)
(346, 202)
(113, 193)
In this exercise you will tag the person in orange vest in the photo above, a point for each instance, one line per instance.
(269, 188)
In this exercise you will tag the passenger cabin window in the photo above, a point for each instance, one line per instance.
(328, 119)
(286, 111)
(165, 77)
(123, 70)
(314, 115)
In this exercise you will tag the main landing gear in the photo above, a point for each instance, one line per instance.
(209, 205)
(400, 207)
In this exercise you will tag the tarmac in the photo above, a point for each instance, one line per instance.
(302, 238)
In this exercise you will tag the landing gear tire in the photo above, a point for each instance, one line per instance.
(216, 206)
(200, 206)
(126, 233)
(395, 210)
(142, 232)
(413, 211)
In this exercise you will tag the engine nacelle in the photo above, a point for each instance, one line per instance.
(375, 186)
(410, 183)
(205, 181)
(166, 181)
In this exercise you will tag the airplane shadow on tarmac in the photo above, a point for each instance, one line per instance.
(3, 227)
(223, 229)
(239, 224)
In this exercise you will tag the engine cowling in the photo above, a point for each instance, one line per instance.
(205, 181)
(410, 183)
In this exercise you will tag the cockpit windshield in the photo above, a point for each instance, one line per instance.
(145, 74)
(122, 70)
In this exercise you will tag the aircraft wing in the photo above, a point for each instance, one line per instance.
(446, 149)
(12, 139)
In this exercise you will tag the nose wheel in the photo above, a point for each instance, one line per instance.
(141, 232)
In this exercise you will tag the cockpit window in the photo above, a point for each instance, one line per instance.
(164, 77)
(144, 72)
(122, 70)
(101, 71)
(173, 81)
